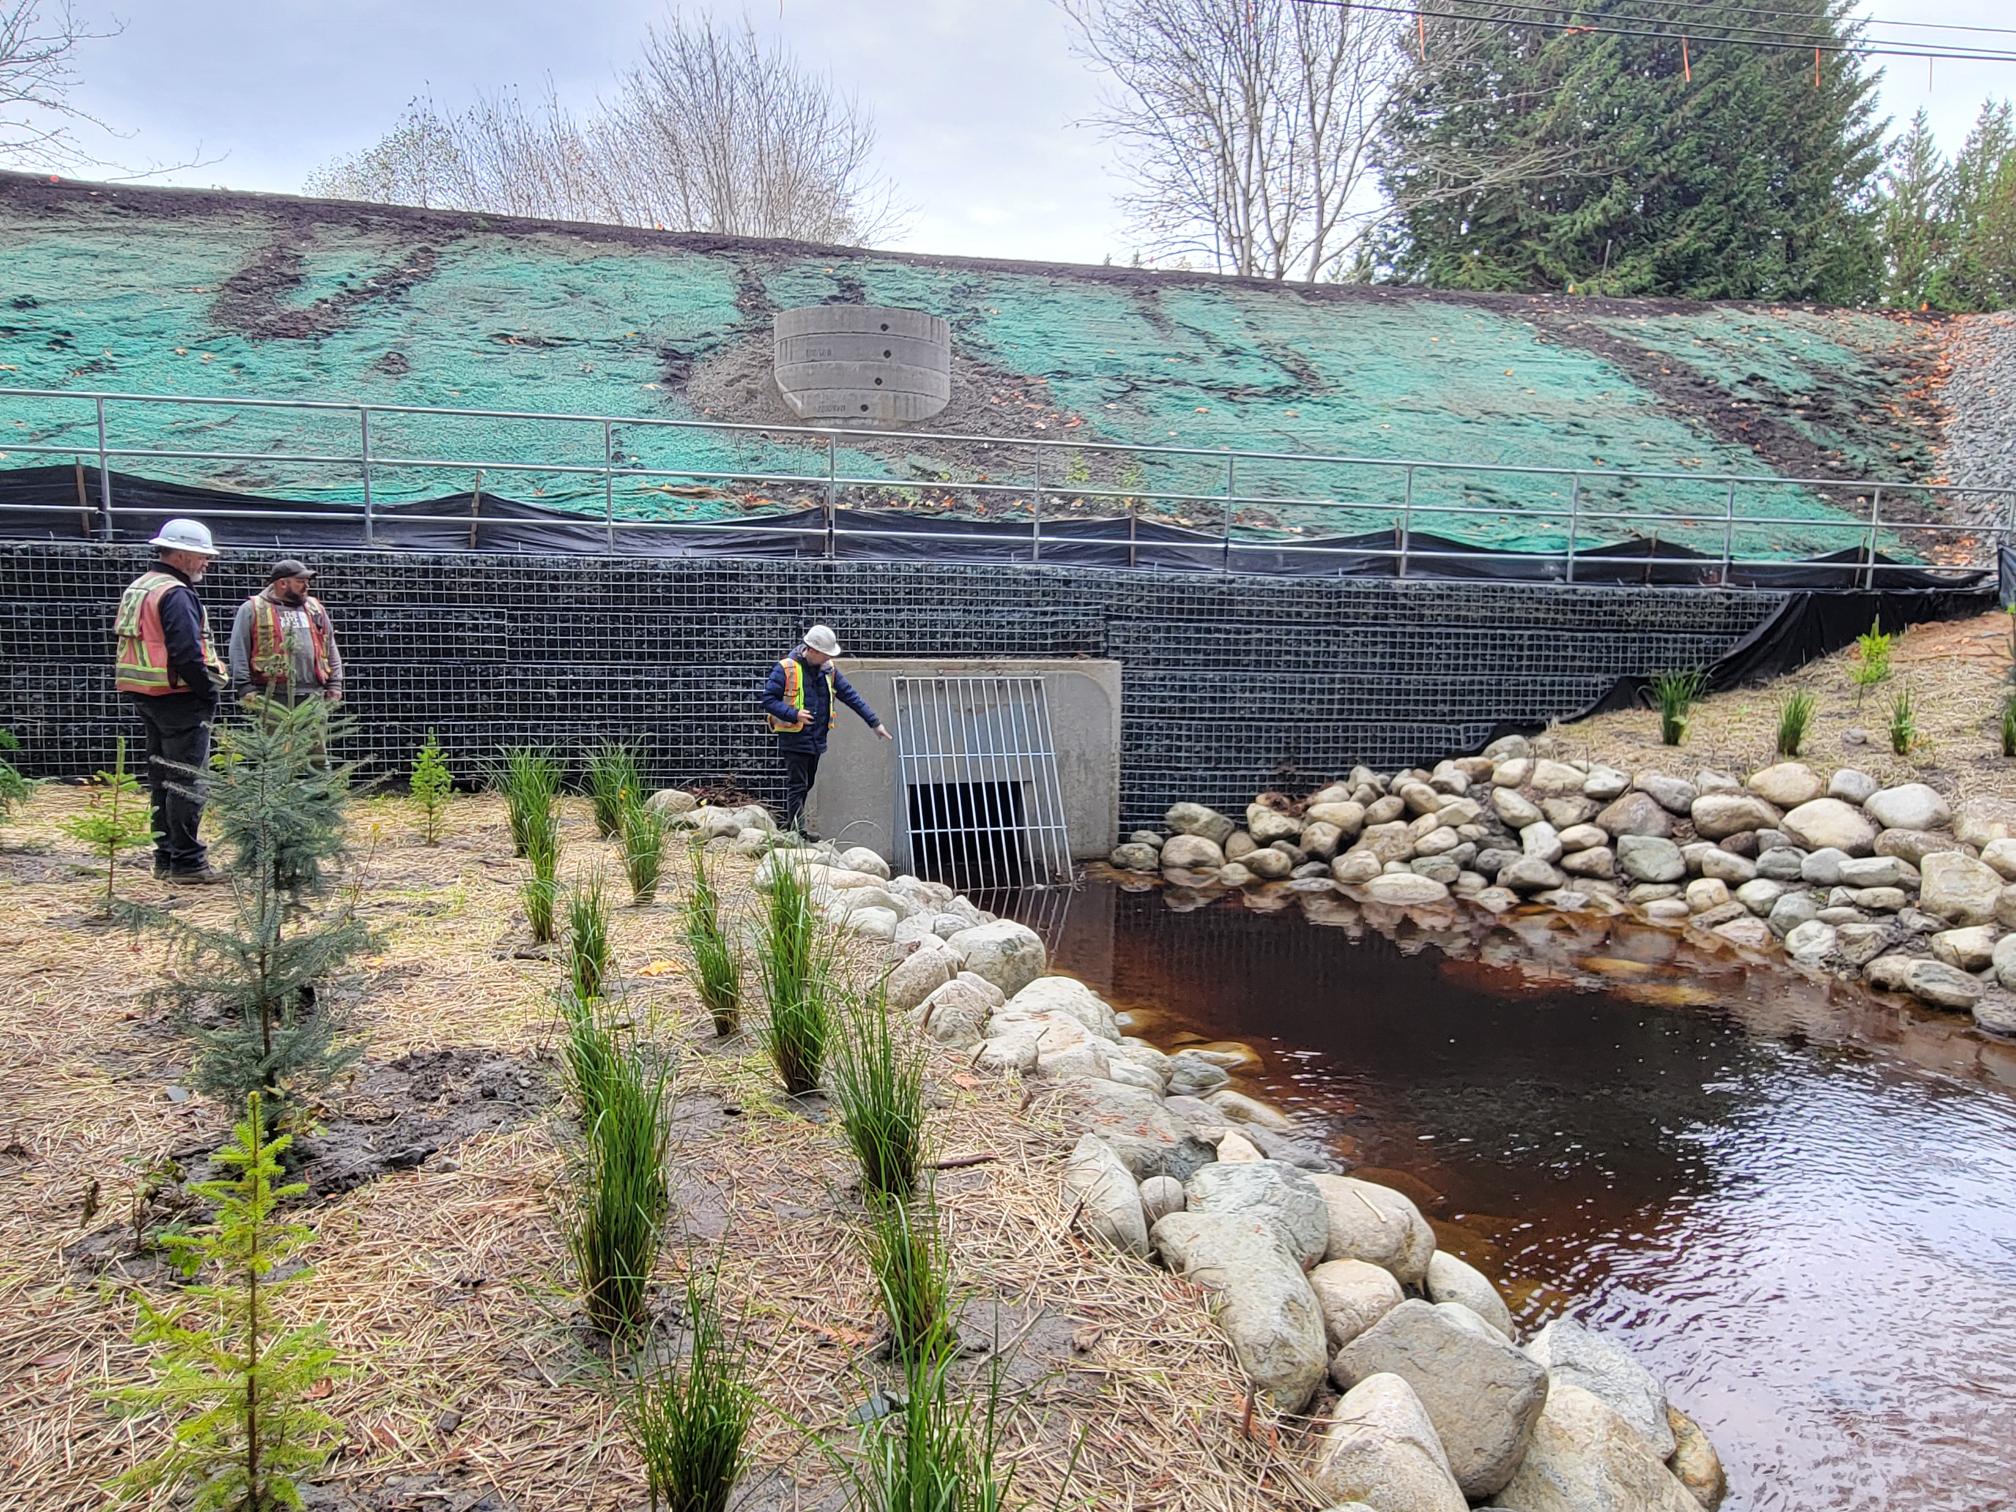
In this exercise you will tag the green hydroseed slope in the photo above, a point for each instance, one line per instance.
(202, 294)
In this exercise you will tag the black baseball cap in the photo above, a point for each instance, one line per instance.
(289, 567)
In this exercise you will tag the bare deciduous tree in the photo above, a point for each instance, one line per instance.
(709, 131)
(1247, 126)
(40, 119)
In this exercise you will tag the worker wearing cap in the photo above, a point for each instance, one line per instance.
(282, 644)
(800, 700)
(171, 674)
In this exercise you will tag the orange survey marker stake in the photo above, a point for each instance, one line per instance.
(1421, 34)
(1816, 68)
(1686, 68)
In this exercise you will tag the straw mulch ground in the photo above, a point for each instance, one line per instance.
(1957, 674)
(473, 1380)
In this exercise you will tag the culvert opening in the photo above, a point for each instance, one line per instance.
(971, 832)
(980, 805)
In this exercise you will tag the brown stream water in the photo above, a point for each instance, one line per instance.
(1796, 1204)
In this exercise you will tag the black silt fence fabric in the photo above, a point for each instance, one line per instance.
(502, 525)
(1231, 683)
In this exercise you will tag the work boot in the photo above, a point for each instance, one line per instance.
(203, 876)
(160, 868)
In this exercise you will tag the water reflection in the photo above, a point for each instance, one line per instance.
(1799, 1205)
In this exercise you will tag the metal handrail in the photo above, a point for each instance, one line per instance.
(1226, 501)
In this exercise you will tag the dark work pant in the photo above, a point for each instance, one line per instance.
(800, 770)
(178, 752)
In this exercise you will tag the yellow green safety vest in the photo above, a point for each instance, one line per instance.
(142, 662)
(794, 695)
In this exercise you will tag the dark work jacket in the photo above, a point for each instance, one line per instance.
(182, 631)
(817, 705)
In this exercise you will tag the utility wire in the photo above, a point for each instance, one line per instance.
(1551, 19)
(1809, 16)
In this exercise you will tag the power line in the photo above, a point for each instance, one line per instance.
(1865, 21)
(1554, 21)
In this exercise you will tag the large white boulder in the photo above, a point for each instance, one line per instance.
(1481, 1393)
(1585, 1458)
(1273, 1191)
(1196, 819)
(914, 978)
(1458, 1281)
(1378, 1225)
(957, 1013)
(1380, 1451)
(1720, 815)
(1354, 1294)
(1579, 1356)
(1787, 785)
(1959, 889)
(1009, 955)
(1404, 889)
(1266, 1308)
(1106, 1196)
(1828, 823)
(1910, 806)
(1069, 996)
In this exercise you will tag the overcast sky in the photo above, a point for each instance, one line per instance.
(975, 100)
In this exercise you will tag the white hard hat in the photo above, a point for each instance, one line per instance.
(185, 535)
(822, 639)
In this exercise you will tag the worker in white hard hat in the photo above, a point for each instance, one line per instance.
(171, 673)
(802, 698)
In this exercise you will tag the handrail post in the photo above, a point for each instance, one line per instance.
(1574, 518)
(1869, 550)
(609, 486)
(1036, 514)
(1728, 531)
(104, 472)
(364, 453)
(1231, 488)
(832, 469)
(1406, 520)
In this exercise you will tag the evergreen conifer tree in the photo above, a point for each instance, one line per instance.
(1542, 157)
(1979, 272)
(277, 805)
(118, 819)
(235, 1382)
(1916, 195)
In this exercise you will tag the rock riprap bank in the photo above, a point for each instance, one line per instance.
(1420, 1394)
(1892, 886)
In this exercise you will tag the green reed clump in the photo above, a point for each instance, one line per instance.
(912, 1270)
(1675, 694)
(717, 958)
(690, 1422)
(794, 958)
(589, 1052)
(1795, 719)
(620, 1201)
(2009, 723)
(529, 779)
(641, 832)
(878, 1079)
(541, 892)
(1903, 721)
(613, 779)
(591, 956)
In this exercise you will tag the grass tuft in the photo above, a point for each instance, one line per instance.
(689, 1423)
(913, 1273)
(717, 959)
(591, 957)
(1795, 719)
(2009, 723)
(613, 780)
(642, 834)
(529, 779)
(1676, 693)
(1903, 721)
(542, 848)
(794, 958)
(620, 1198)
(878, 1079)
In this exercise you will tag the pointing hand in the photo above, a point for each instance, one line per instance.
(883, 731)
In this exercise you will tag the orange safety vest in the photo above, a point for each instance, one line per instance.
(794, 695)
(142, 665)
(269, 641)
